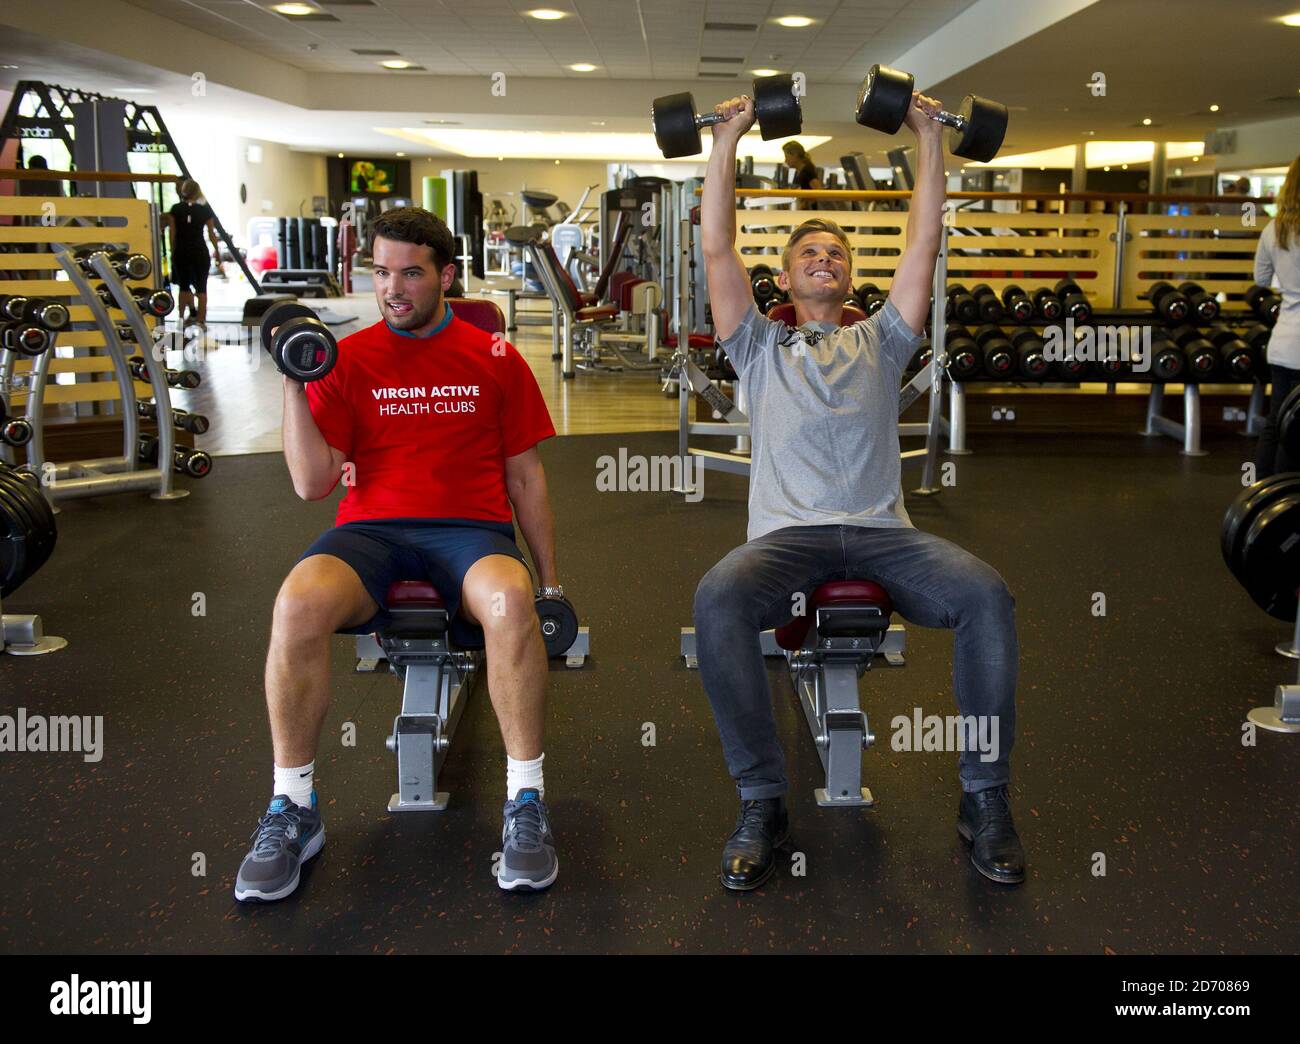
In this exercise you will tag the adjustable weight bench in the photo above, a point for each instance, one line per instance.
(846, 627)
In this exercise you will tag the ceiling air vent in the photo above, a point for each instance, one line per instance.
(730, 27)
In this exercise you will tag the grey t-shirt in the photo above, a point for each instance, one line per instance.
(1272, 263)
(822, 402)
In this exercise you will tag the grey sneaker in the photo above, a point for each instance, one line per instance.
(528, 861)
(285, 838)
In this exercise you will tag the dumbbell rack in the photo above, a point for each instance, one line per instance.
(23, 634)
(94, 477)
(692, 380)
(1187, 431)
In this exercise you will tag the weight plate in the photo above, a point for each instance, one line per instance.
(1270, 557)
(559, 624)
(282, 313)
(985, 127)
(777, 107)
(39, 511)
(1288, 424)
(305, 349)
(1243, 508)
(672, 118)
(884, 98)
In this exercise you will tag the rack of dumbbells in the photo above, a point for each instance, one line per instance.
(138, 467)
(1054, 334)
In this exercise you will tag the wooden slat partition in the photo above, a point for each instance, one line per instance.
(878, 230)
(1177, 247)
(125, 221)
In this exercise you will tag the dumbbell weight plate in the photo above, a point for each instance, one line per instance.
(1288, 424)
(14, 536)
(776, 106)
(672, 118)
(884, 98)
(41, 511)
(34, 521)
(985, 127)
(559, 624)
(1241, 512)
(1269, 560)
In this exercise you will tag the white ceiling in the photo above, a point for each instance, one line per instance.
(1164, 59)
(627, 39)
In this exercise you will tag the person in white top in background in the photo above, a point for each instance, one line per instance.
(1277, 259)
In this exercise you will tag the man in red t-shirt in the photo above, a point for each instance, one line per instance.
(433, 426)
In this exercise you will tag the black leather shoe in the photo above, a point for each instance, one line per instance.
(749, 856)
(984, 819)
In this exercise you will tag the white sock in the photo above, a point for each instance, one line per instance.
(295, 783)
(521, 775)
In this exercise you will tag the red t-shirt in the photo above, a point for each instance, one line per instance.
(428, 422)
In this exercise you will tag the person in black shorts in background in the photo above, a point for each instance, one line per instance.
(186, 222)
(805, 170)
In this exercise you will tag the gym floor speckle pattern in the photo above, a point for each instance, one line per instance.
(1129, 745)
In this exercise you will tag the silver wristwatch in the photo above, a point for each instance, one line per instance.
(550, 592)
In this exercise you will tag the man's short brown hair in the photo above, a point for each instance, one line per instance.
(419, 226)
(808, 228)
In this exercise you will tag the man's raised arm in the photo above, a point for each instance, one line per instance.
(914, 276)
(730, 296)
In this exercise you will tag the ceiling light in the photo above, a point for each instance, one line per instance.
(583, 67)
(764, 72)
(1291, 19)
(1122, 166)
(1196, 159)
(1106, 169)
(1146, 122)
(340, 155)
(547, 14)
(1178, 172)
(295, 9)
(598, 123)
(396, 63)
(794, 22)
(400, 155)
(1214, 108)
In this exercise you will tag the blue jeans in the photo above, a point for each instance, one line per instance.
(932, 582)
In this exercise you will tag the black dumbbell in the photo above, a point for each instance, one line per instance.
(870, 298)
(25, 338)
(153, 302)
(976, 129)
(965, 357)
(1168, 303)
(1201, 358)
(780, 297)
(990, 305)
(1070, 368)
(961, 305)
(302, 346)
(1167, 360)
(1031, 360)
(194, 423)
(1256, 335)
(676, 124)
(722, 366)
(1074, 303)
(920, 358)
(1047, 304)
(126, 265)
(1264, 303)
(559, 622)
(999, 355)
(1017, 303)
(188, 379)
(50, 314)
(17, 431)
(192, 462)
(1203, 307)
(1235, 356)
(762, 280)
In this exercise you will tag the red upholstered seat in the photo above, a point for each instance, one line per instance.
(835, 592)
(595, 312)
(620, 289)
(486, 315)
(413, 594)
(784, 313)
(695, 340)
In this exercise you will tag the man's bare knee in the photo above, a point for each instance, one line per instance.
(319, 596)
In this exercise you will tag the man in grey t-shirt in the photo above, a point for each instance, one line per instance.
(825, 503)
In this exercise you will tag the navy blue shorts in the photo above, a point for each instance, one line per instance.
(438, 550)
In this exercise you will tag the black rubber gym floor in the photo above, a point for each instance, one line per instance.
(1130, 747)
